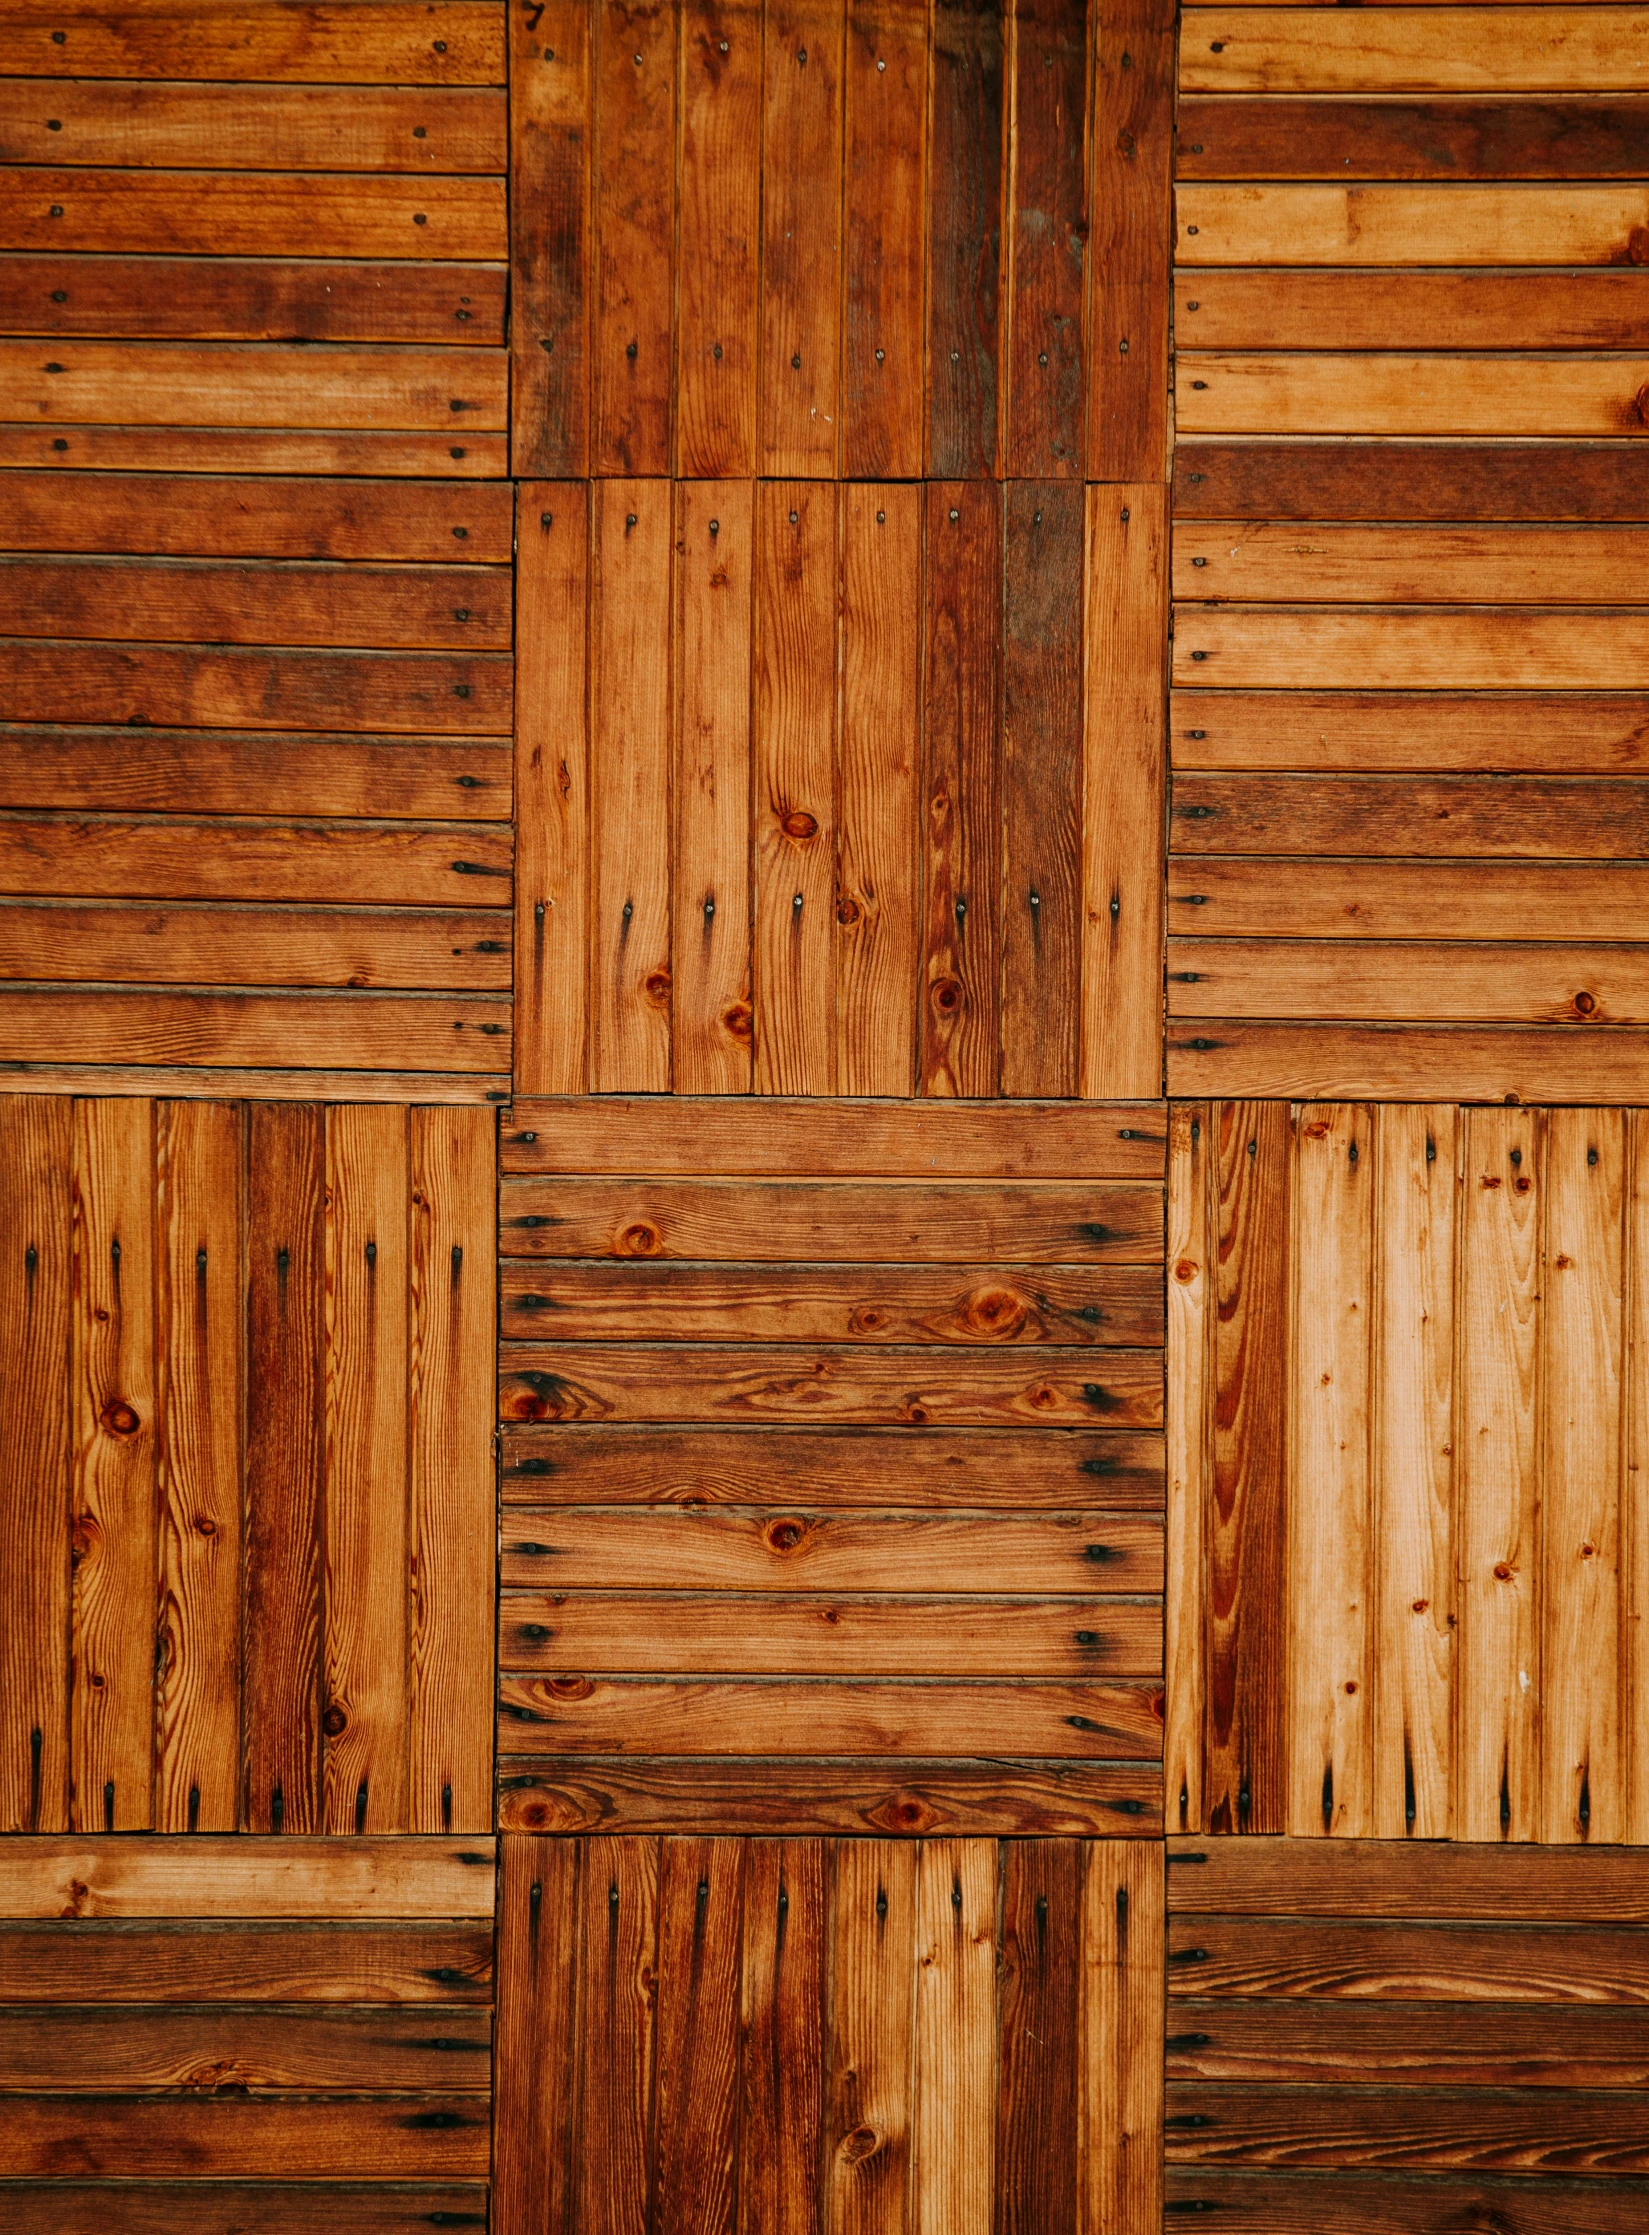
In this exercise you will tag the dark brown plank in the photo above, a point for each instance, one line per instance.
(1584, 137)
(1131, 136)
(1395, 2204)
(1039, 2052)
(538, 1920)
(1548, 818)
(129, 1025)
(1401, 1878)
(295, 40)
(884, 87)
(1271, 310)
(79, 2050)
(1048, 221)
(226, 298)
(633, 226)
(107, 1963)
(701, 1889)
(212, 515)
(228, 772)
(151, 449)
(1275, 1956)
(964, 250)
(145, 2137)
(1261, 480)
(1441, 2129)
(618, 1982)
(229, 2208)
(550, 154)
(781, 2078)
(260, 213)
(1435, 2045)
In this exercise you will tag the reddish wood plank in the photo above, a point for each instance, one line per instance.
(634, 234)
(551, 140)
(885, 83)
(1047, 223)
(1131, 154)
(718, 237)
(552, 789)
(801, 250)
(964, 247)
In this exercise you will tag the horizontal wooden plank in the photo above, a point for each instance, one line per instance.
(1353, 1957)
(1406, 2204)
(228, 2208)
(1361, 563)
(237, 2137)
(683, 1549)
(737, 1716)
(253, 213)
(1339, 480)
(1269, 898)
(1411, 309)
(1373, 224)
(1540, 817)
(1409, 1062)
(175, 857)
(395, 42)
(682, 1633)
(1407, 1878)
(1586, 49)
(1460, 647)
(1432, 2045)
(86, 1024)
(1531, 983)
(202, 943)
(253, 384)
(770, 1381)
(812, 1304)
(994, 1799)
(220, 298)
(256, 601)
(266, 1083)
(100, 1962)
(205, 688)
(112, 1876)
(839, 1138)
(229, 772)
(1425, 2130)
(252, 450)
(1409, 393)
(1008, 1469)
(213, 516)
(265, 127)
(1584, 136)
(1370, 732)
(80, 2051)
(834, 1222)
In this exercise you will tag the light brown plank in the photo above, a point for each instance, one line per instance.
(255, 517)
(1373, 564)
(801, 250)
(872, 1987)
(1353, 900)
(265, 1083)
(1400, 1063)
(1392, 226)
(1402, 393)
(1398, 647)
(953, 2069)
(1367, 732)
(129, 1025)
(254, 384)
(1516, 984)
(1189, 1381)
(717, 238)
(1426, 49)
(215, 1879)
(286, 127)
(295, 40)
(1120, 2015)
(1440, 1880)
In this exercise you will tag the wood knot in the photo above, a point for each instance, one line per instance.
(1186, 1268)
(1585, 1004)
(120, 1418)
(738, 1022)
(1503, 1572)
(866, 1319)
(639, 1240)
(334, 1722)
(656, 986)
(860, 2143)
(996, 1313)
(569, 1687)
(784, 1535)
(799, 824)
(847, 910)
(946, 996)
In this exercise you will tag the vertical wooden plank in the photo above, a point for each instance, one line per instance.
(364, 1774)
(550, 137)
(452, 1525)
(1125, 766)
(1047, 225)
(1245, 1756)
(1416, 1198)
(960, 1010)
(1634, 1532)
(535, 2065)
(1040, 2057)
(718, 232)
(552, 788)
(200, 1168)
(1580, 1720)
(710, 895)
(36, 1274)
(1119, 2185)
(635, 223)
(872, 1985)
(1129, 198)
(878, 896)
(886, 82)
(966, 153)
(618, 1958)
(782, 2030)
(801, 274)
(954, 2091)
(281, 1633)
(1497, 1473)
(1330, 1735)
(1190, 1455)
(1042, 789)
(701, 1889)
(630, 803)
(795, 809)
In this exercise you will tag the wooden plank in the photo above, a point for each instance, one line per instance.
(801, 255)
(1042, 784)
(75, 2051)
(1120, 2020)
(1124, 784)
(450, 1498)
(1417, 1191)
(1390, 1878)
(536, 2085)
(1556, 817)
(200, 1182)
(1407, 899)
(36, 1494)
(1634, 1430)
(1414, 2128)
(964, 245)
(1047, 221)
(549, 165)
(116, 1963)
(1440, 2045)
(1452, 647)
(1586, 136)
(1567, 984)
(1411, 480)
(781, 2030)
(292, 41)
(166, 449)
(1040, 2067)
(1397, 1063)
(1406, 393)
(630, 609)
(986, 1468)
(617, 1977)
(1366, 310)
(869, 2097)
(1392, 226)
(1330, 1579)
(953, 2071)
(283, 1272)
(1425, 49)
(633, 226)
(878, 771)
(130, 1025)
(1392, 2204)
(670, 1633)
(137, 2136)
(1131, 156)
(884, 196)
(960, 1010)
(1578, 733)
(216, 2208)
(113, 1490)
(1189, 1383)
(216, 1878)
(270, 1085)
(793, 790)
(718, 234)
(1406, 565)
(552, 790)
(1406, 1962)
(1246, 1764)
(711, 1030)
(695, 2137)
(247, 516)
